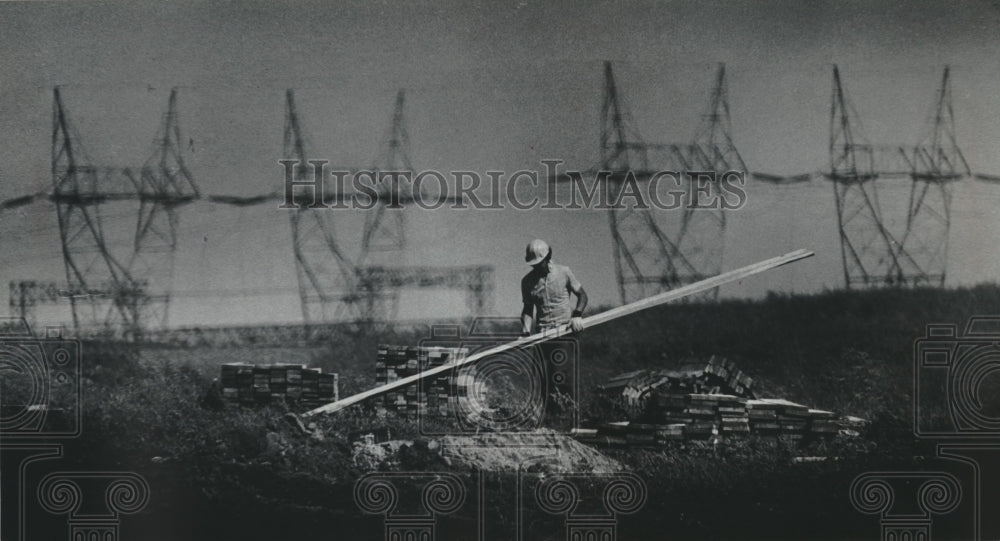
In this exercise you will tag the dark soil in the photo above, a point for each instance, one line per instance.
(220, 471)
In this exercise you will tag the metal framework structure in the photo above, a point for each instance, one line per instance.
(126, 291)
(648, 259)
(325, 272)
(876, 252)
(383, 240)
(384, 237)
(477, 281)
(25, 295)
(333, 285)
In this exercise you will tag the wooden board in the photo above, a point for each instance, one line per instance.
(563, 330)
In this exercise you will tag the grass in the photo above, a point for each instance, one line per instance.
(219, 470)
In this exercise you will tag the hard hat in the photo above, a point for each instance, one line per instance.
(537, 250)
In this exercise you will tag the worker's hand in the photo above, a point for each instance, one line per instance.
(576, 324)
(525, 332)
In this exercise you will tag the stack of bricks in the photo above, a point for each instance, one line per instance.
(250, 384)
(435, 396)
(718, 418)
(701, 409)
(705, 401)
(631, 434)
(633, 391)
(702, 416)
(778, 417)
(823, 423)
(725, 376)
(733, 418)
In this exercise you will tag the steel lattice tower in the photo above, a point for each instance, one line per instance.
(333, 286)
(118, 293)
(383, 241)
(647, 259)
(934, 163)
(163, 183)
(644, 257)
(873, 252)
(325, 273)
(703, 231)
(852, 170)
(385, 227)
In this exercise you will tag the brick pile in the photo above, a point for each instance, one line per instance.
(722, 417)
(436, 396)
(710, 400)
(247, 383)
(701, 415)
(776, 416)
(633, 392)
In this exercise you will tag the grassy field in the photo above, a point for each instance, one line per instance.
(218, 471)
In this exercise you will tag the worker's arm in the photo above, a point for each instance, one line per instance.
(526, 315)
(581, 302)
(576, 319)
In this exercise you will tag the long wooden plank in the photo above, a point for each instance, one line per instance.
(597, 319)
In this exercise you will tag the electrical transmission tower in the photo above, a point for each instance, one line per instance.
(127, 291)
(325, 272)
(703, 231)
(935, 162)
(648, 259)
(333, 285)
(713, 145)
(385, 227)
(874, 251)
(164, 182)
(383, 240)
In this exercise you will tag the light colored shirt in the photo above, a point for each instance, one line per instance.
(550, 295)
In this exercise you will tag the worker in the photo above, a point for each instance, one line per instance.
(546, 294)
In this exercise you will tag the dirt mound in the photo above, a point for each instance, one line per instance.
(526, 451)
(539, 451)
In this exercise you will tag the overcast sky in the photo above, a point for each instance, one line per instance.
(490, 86)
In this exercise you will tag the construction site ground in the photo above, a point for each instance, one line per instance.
(218, 470)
